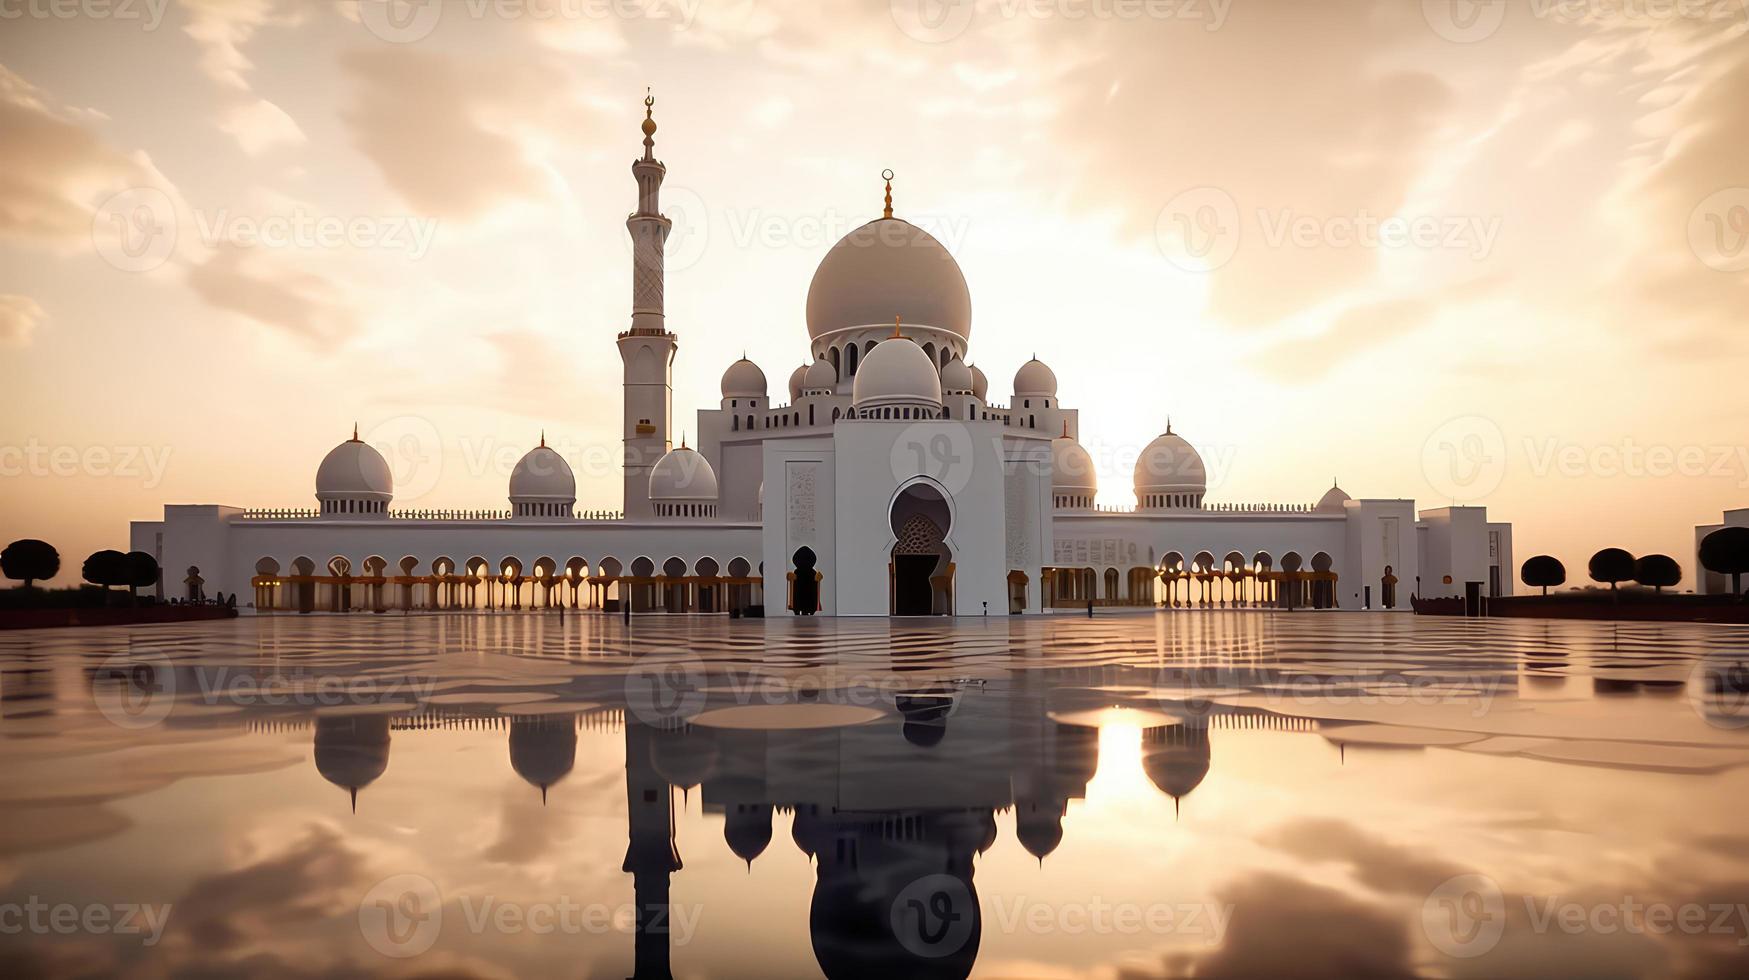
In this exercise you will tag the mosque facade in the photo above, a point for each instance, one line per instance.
(882, 480)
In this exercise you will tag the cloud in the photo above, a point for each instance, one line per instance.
(221, 28)
(251, 282)
(260, 125)
(441, 132)
(1282, 926)
(19, 317)
(53, 169)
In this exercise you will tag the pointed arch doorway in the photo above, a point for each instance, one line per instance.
(920, 573)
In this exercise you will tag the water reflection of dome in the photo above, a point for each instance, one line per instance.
(543, 749)
(1039, 828)
(352, 751)
(1176, 757)
(685, 756)
(926, 714)
(747, 829)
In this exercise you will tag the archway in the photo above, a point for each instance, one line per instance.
(804, 593)
(920, 571)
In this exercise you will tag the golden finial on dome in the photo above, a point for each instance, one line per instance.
(355, 432)
(896, 333)
(887, 175)
(649, 122)
(543, 438)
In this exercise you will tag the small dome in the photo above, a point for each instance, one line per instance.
(682, 474)
(956, 377)
(354, 467)
(980, 384)
(1035, 378)
(542, 475)
(896, 372)
(820, 376)
(1332, 501)
(1169, 465)
(1071, 467)
(743, 379)
(796, 380)
(886, 267)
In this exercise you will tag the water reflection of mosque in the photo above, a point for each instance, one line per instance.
(878, 806)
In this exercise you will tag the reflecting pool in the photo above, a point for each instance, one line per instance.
(1171, 794)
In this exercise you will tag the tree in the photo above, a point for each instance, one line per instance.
(106, 568)
(1658, 571)
(30, 560)
(1612, 565)
(1725, 551)
(142, 571)
(1544, 571)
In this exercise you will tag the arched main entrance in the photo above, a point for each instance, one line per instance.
(920, 573)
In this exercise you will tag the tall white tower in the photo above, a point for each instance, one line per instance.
(647, 349)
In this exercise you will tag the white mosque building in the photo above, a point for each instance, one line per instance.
(883, 480)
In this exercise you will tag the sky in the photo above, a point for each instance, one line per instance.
(1462, 251)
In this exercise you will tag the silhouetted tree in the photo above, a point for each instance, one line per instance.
(106, 568)
(1658, 571)
(1725, 551)
(30, 560)
(142, 571)
(1544, 571)
(1612, 565)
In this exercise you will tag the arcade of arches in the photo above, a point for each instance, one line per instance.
(475, 583)
(1230, 582)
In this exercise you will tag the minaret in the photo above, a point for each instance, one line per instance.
(647, 349)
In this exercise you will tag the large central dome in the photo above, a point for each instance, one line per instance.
(889, 268)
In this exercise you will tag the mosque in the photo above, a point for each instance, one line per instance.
(884, 480)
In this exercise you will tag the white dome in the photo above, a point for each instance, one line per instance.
(354, 467)
(796, 378)
(1170, 465)
(1035, 378)
(743, 379)
(888, 267)
(896, 372)
(1072, 468)
(542, 475)
(955, 376)
(682, 474)
(1332, 501)
(980, 384)
(820, 375)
